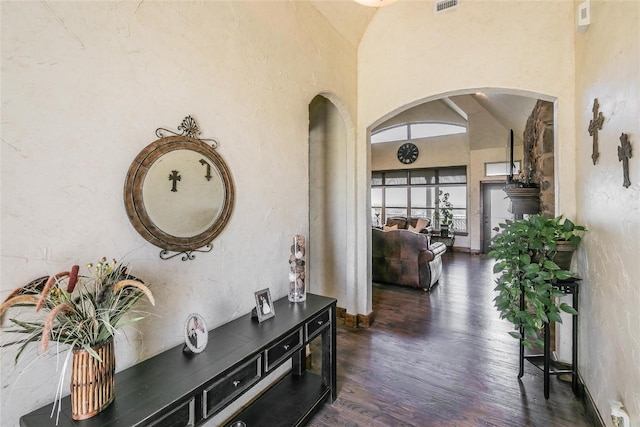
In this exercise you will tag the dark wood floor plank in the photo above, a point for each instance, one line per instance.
(442, 359)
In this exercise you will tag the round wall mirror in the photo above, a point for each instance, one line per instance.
(179, 195)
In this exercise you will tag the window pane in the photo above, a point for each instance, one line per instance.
(376, 197)
(398, 133)
(391, 212)
(427, 130)
(460, 219)
(395, 178)
(376, 178)
(500, 169)
(457, 195)
(422, 213)
(419, 197)
(396, 197)
(431, 196)
(423, 177)
(453, 175)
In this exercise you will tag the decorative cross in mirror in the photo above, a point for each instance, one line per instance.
(174, 177)
(594, 125)
(624, 154)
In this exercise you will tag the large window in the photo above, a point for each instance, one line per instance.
(416, 130)
(413, 193)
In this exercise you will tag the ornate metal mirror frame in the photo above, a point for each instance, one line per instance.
(179, 193)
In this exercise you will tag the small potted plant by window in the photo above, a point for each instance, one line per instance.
(444, 214)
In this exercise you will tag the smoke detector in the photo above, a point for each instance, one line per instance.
(442, 5)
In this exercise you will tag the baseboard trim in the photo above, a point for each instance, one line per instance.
(354, 320)
(590, 406)
(365, 320)
(351, 320)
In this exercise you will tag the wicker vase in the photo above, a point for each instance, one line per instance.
(92, 381)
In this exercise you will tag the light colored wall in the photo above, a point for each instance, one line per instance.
(85, 85)
(433, 152)
(608, 64)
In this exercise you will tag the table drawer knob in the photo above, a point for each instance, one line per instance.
(320, 322)
(286, 346)
(236, 383)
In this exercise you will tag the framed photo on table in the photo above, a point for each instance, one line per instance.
(195, 334)
(264, 305)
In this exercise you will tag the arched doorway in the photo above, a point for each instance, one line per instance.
(328, 194)
(489, 115)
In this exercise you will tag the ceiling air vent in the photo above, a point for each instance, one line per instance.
(442, 5)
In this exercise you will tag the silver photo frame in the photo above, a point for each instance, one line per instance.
(264, 305)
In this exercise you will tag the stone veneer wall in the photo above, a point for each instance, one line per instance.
(538, 141)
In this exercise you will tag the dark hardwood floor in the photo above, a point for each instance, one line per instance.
(442, 359)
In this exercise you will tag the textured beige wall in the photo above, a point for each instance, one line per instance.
(409, 55)
(85, 85)
(608, 64)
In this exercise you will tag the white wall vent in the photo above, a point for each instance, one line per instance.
(442, 5)
(584, 16)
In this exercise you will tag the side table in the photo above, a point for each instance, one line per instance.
(448, 241)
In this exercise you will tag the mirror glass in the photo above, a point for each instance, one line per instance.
(183, 195)
(179, 194)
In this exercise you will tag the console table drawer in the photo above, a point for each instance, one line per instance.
(231, 386)
(283, 349)
(182, 416)
(318, 323)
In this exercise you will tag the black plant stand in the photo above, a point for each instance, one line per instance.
(543, 361)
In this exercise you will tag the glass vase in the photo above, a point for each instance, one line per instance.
(297, 265)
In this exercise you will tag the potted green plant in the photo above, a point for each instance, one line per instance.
(525, 252)
(444, 213)
(567, 236)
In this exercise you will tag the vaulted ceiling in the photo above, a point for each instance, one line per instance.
(350, 19)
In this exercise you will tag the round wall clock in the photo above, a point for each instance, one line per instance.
(408, 153)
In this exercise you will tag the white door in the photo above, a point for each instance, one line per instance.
(495, 210)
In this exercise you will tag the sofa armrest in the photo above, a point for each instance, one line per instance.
(438, 248)
(426, 256)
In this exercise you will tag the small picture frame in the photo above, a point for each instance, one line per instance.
(195, 334)
(264, 305)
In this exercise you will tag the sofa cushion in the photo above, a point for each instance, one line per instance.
(418, 224)
(389, 227)
(400, 222)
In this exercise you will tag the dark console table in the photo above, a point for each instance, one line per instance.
(177, 389)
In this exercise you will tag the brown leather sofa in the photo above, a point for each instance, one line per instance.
(404, 257)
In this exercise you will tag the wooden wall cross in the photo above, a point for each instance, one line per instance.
(594, 125)
(624, 154)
